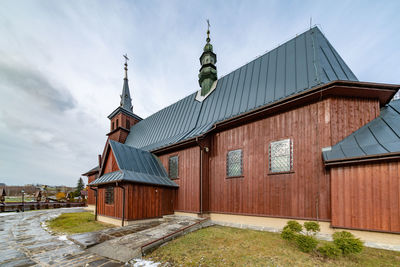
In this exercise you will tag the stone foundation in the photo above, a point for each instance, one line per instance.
(371, 239)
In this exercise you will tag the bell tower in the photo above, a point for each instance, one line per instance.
(208, 70)
(123, 118)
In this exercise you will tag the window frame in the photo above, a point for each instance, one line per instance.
(177, 167)
(109, 200)
(241, 175)
(291, 157)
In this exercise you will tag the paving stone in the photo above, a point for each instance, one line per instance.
(19, 263)
(26, 243)
(111, 264)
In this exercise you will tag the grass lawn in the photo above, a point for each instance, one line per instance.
(225, 246)
(76, 222)
(19, 199)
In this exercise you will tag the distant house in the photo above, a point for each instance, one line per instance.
(292, 134)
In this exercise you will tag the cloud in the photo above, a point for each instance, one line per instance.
(37, 86)
(61, 64)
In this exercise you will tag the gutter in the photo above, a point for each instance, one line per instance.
(318, 92)
(200, 175)
(363, 159)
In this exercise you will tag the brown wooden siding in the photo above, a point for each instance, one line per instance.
(366, 196)
(141, 201)
(91, 199)
(305, 193)
(111, 164)
(188, 195)
(348, 115)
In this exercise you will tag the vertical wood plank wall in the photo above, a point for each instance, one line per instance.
(141, 201)
(111, 164)
(188, 195)
(91, 199)
(296, 194)
(366, 196)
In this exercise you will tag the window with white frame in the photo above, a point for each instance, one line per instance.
(281, 156)
(234, 166)
(173, 167)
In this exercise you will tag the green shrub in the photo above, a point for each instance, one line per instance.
(347, 242)
(288, 234)
(306, 243)
(294, 226)
(329, 250)
(312, 227)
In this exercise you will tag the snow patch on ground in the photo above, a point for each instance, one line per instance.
(143, 263)
(62, 237)
(7, 214)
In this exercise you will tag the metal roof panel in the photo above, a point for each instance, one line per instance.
(297, 65)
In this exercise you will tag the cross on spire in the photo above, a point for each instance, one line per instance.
(208, 31)
(126, 65)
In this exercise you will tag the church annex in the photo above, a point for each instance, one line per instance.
(292, 134)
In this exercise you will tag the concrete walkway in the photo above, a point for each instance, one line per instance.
(23, 242)
(130, 246)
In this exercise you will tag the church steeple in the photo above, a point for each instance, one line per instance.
(126, 101)
(123, 118)
(208, 70)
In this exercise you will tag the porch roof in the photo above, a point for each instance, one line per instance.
(380, 137)
(135, 165)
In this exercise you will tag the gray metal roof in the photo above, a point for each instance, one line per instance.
(306, 61)
(380, 136)
(92, 170)
(136, 165)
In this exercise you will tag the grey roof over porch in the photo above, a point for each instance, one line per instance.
(379, 137)
(135, 165)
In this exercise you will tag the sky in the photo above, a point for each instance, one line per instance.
(61, 64)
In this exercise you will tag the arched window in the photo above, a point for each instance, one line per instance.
(112, 126)
(128, 124)
(117, 123)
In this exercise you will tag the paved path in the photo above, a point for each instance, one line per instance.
(23, 242)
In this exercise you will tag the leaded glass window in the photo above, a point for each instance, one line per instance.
(173, 166)
(234, 163)
(281, 156)
(109, 195)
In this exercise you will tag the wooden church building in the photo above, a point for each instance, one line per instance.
(292, 134)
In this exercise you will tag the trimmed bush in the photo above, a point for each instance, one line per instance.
(288, 234)
(294, 226)
(329, 250)
(347, 242)
(306, 243)
(312, 227)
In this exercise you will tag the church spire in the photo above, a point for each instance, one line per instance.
(126, 101)
(208, 70)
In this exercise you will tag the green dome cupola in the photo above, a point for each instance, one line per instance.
(208, 70)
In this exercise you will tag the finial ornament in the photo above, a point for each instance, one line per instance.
(208, 31)
(126, 65)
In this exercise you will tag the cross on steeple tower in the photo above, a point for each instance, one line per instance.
(126, 65)
(126, 101)
(122, 118)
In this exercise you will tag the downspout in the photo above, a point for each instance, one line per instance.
(123, 203)
(95, 209)
(201, 175)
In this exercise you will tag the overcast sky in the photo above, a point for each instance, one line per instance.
(61, 64)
